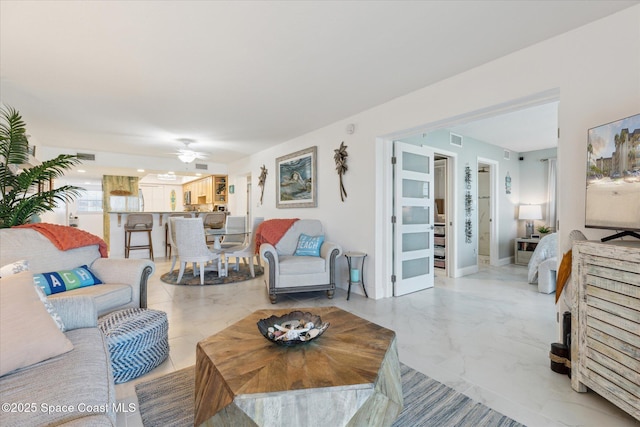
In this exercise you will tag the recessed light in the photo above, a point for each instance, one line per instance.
(81, 171)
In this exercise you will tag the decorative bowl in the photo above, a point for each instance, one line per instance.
(293, 328)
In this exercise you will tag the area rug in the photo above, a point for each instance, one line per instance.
(211, 277)
(169, 400)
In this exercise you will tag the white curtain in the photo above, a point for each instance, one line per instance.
(551, 194)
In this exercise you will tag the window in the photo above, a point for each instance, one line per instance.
(90, 201)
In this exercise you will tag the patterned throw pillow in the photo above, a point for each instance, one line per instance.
(14, 268)
(50, 309)
(65, 280)
(309, 245)
(23, 265)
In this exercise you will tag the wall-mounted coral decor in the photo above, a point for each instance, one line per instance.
(261, 180)
(468, 205)
(341, 166)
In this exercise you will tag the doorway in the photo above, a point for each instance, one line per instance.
(464, 256)
(444, 241)
(484, 214)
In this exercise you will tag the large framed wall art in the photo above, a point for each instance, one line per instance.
(296, 179)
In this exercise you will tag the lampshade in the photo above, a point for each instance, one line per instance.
(187, 156)
(530, 212)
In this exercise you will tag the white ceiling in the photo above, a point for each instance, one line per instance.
(533, 128)
(239, 76)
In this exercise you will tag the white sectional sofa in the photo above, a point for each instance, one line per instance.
(75, 387)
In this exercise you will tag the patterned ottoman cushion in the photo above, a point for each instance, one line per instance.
(137, 341)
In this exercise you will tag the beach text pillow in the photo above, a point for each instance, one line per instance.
(65, 280)
(309, 245)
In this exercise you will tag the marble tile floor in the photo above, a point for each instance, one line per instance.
(486, 335)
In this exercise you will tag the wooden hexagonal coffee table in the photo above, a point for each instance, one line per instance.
(348, 376)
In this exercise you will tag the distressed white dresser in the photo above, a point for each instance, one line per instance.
(605, 324)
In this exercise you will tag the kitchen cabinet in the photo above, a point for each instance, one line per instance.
(211, 190)
(220, 189)
(203, 191)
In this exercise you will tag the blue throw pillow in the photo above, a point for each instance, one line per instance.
(65, 280)
(309, 245)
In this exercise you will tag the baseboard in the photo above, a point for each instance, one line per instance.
(506, 261)
(466, 271)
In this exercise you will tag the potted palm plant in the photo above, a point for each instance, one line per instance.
(25, 194)
(543, 229)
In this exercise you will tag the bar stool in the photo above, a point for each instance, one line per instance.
(167, 241)
(137, 223)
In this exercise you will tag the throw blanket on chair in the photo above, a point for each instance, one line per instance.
(547, 248)
(65, 238)
(272, 230)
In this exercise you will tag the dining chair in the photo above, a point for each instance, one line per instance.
(234, 222)
(247, 251)
(192, 246)
(213, 220)
(169, 245)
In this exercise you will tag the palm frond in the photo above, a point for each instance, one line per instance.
(14, 146)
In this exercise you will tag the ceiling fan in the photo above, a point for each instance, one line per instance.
(186, 155)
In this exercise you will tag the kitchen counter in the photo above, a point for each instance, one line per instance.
(117, 220)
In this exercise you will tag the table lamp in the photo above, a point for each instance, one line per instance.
(530, 213)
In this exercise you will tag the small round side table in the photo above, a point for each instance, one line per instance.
(355, 261)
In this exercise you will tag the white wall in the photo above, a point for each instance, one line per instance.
(596, 69)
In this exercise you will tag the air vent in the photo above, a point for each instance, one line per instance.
(455, 139)
(202, 166)
(86, 156)
(507, 154)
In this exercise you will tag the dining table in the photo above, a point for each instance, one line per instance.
(219, 233)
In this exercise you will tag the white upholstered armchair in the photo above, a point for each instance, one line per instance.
(543, 264)
(299, 273)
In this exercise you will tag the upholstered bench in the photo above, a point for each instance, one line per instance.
(137, 339)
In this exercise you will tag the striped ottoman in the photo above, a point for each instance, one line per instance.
(137, 341)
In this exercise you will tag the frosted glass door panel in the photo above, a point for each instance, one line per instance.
(415, 268)
(413, 209)
(416, 215)
(415, 189)
(415, 241)
(414, 162)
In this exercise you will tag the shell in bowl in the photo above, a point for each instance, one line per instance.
(293, 328)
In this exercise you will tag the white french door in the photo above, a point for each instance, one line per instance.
(413, 212)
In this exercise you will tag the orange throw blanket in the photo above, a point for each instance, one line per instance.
(65, 238)
(563, 273)
(272, 230)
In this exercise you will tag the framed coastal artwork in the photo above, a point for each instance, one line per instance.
(296, 179)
